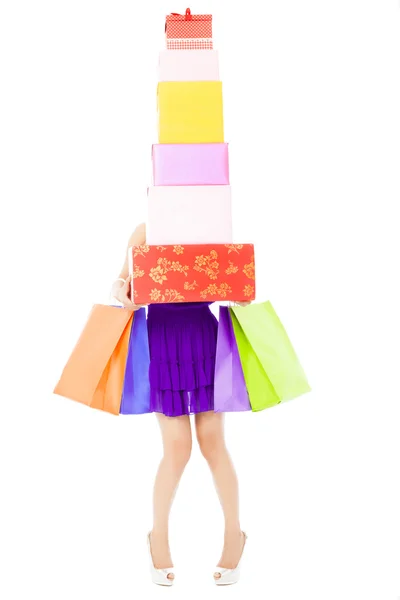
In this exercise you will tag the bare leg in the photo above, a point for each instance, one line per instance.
(177, 443)
(210, 435)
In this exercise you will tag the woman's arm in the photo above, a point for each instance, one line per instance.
(137, 238)
(120, 287)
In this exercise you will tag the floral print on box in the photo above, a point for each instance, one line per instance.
(192, 273)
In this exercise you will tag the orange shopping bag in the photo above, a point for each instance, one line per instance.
(94, 373)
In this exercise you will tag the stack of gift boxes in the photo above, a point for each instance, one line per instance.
(189, 255)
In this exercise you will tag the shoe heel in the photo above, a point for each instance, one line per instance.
(158, 576)
(230, 576)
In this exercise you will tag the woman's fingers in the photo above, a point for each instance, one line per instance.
(125, 287)
(123, 297)
(131, 305)
(136, 306)
(128, 304)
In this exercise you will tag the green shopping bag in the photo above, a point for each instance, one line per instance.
(271, 368)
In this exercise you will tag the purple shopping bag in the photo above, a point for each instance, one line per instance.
(230, 393)
(136, 391)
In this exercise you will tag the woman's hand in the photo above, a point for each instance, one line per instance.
(120, 291)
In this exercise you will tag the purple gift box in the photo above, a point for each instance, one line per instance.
(190, 164)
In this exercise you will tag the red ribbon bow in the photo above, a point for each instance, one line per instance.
(187, 15)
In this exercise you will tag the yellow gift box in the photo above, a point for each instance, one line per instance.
(190, 112)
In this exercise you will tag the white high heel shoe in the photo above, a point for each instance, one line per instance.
(158, 576)
(229, 576)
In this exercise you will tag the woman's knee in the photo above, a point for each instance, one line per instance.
(210, 441)
(177, 439)
(178, 450)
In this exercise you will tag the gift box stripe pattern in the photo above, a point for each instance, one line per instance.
(190, 164)
(192, 273)
(188, 65)
(188, 44)
(189, 215)
(190, 112)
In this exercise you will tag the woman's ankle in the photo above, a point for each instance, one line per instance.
(232, 530)
(159, 533)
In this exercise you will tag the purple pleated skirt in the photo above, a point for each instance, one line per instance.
(183, 341)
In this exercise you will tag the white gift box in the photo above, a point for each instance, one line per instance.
(188, 65)
(189, 215)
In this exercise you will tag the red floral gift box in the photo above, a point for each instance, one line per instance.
(192, 273)
(188, 26)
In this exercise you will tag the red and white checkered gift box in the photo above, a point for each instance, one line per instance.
(188, 25)
(189, 44)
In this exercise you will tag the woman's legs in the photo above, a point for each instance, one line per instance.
(210, 435)
(177, 442)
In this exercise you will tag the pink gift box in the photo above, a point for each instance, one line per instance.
(188, 65)
(196, 214)
(190, 164)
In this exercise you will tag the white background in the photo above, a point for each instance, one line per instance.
(312, 114)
